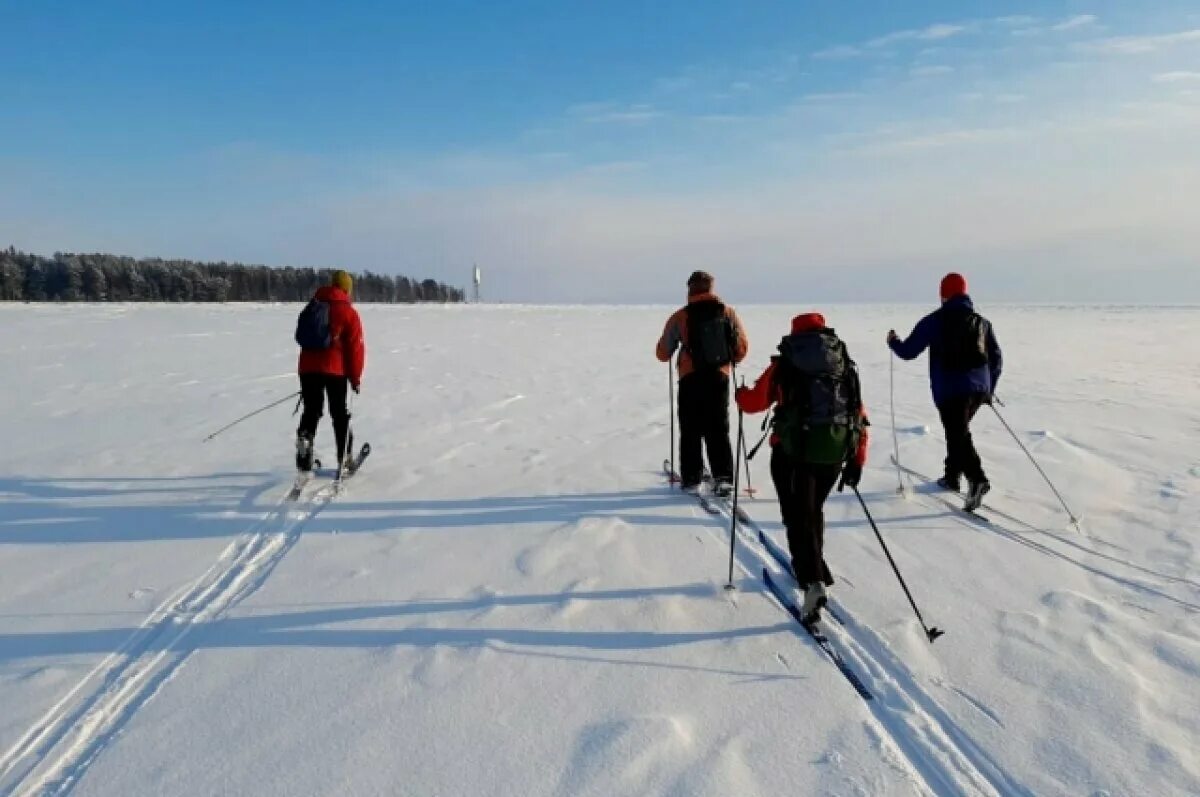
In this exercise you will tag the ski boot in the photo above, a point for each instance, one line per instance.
(948, 483)
(304, 453)
(723, 488)
(814, 601)
(975, 495)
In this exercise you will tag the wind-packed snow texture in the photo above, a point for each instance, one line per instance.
(508, 600)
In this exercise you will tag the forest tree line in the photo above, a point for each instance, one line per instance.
(111, 278)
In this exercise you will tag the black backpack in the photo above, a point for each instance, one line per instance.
(313, 331)
(962, 345)
(818, 417)
(710, 335)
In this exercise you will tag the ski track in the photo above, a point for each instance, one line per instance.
(936, 501)
(51, 757)
(939, 756)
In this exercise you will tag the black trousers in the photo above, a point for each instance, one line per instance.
(961, 457)
(802, 488)
(313, 389)
(704, 421)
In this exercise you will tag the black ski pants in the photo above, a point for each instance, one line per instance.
(704, 422)
(961, 457)
(802, 488)
(313, 389)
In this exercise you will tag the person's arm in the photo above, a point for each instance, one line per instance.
(761, 396)
(995, 357)
(741, 342)
(917, 342)
(355, 349)
(856, 460)
(864, 437)
(670, 340)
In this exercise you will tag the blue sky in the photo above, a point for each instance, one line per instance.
(599, 151)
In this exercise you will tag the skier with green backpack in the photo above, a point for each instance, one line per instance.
(819, 434)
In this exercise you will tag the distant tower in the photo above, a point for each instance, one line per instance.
(478, 277)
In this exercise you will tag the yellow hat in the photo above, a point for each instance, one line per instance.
(342, 280)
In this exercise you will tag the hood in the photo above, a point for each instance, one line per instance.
(807, 322)
(331, 293)
(962, 300)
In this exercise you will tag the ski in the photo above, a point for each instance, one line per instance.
(787, 603)
(818, 637)
(939, 496)
(298, 485)
(785, 562)
(350, 468)
(304, 478)
(705, 501)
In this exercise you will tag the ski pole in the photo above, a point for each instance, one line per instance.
(750, 491)
(930, 633)
(1061, 500)
(348, 440)
(248, 416)
(737, 468)
(766, 431)
(671, 412)
(895, 439)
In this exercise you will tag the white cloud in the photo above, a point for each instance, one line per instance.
(838, 52)
(612, 113)
(1177, 77)
(931, 71)
(936, 32)
(831, 96)
(1138, 45)
(1017, 21)
(1080, 21)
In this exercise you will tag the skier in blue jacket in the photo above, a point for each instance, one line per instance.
(964, 367)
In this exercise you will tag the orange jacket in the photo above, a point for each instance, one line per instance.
(675, 335)
(765, 392)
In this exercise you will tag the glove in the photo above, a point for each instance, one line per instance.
(354, 386)
(851, 475)
(892, 336)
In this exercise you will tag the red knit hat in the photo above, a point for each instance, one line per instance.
(953, 284)
(807, 322)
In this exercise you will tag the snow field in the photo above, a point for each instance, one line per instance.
(506, 600)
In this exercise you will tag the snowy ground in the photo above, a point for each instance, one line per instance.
(508, 601)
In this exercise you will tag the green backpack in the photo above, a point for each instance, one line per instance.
(817, 420)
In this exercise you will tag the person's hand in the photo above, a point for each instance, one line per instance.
(851, 475)
(354, 386)
(892, 336)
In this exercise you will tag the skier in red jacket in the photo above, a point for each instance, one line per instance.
(332, 357)
(819, 434)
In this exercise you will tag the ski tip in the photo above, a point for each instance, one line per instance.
(933, 634)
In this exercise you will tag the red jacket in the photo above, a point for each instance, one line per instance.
(765, 392)
(348, 354)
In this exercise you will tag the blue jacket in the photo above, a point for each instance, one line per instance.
(951, 384)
